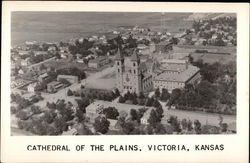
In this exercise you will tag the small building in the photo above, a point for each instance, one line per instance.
(23, 52)
(54, 86)
(43, 77)
(25, 62)
(32, 87)
(36, 53)
(163, 47)
(70, 78)
(146, 115)
(98, 62)
(141, 46)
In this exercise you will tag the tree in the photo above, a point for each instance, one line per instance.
(175, 124)
(133, 114)
(174, 95)
(23, 115)
(164, 95)
(42, 67)
(111, 112)
(101, 124)
(190, 59)
(117, 92)
(58, 56)
(160, 129)
(189, 125)
(35, 109)
(134, 101)
(141, 95)
(82, 129)
(49, 116)
(197, 126)
(208, 129)
(128, 127)
(184, 124)
(122, 99)
(224, 127)
(150, 102)
(157, 93)
(153, 118)
(60, 125)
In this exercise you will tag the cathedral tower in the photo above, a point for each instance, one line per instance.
(136, 73)
(119, 66)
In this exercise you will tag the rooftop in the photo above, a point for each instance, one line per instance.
(178, 77)
(98, 59)
(67, 76)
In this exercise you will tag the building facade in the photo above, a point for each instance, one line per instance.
(70, 78)
(176, 74)
(98, 62)
(131, 74)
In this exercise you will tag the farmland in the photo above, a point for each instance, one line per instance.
(47, 26)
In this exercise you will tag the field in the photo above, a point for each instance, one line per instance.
(55, 26)
(216, 56)
(211, 58)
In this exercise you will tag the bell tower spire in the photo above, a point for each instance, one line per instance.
(119, 66)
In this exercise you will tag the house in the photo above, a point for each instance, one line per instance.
(25, 62)
(43, 77)
(52, 48)
(146, 115)
(54, 86)
(23, 70)
(141, 46)
(23, 52)
(32, 87)
(36, 53)
(70, 78)
(163, 47)
(98, 62)
(29, 96)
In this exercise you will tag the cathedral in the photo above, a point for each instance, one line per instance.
(133, 75)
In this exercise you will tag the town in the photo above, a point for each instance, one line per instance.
(130, 81)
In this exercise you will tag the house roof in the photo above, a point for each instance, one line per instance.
(178, 77)
(98, 59)
(67, 76)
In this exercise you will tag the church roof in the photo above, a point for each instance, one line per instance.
(178, 77)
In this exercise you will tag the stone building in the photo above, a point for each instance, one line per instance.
(132, 74)
(135, 76)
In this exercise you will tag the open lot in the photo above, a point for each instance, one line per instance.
(104, 79)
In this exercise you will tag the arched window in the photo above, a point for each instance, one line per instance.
(134, 72)
(118, 63)
(118, 70)
(134, 64)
